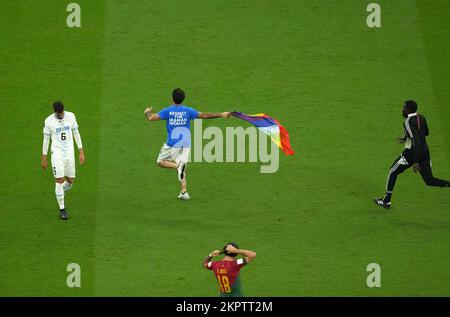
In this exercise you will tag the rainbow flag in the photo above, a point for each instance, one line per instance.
(269, 126)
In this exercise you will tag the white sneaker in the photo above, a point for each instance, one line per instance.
(67, 188)
(181, 169)
(184, 196)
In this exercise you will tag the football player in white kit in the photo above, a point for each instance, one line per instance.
(62, 128)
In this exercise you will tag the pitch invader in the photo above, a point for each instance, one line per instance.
(415, 155)
(175, 151)
(62, 128)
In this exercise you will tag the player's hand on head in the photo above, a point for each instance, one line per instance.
(231, 249)
(215, 253)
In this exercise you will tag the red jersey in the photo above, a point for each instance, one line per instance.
(227, 274)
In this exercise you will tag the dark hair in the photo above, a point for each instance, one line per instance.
(58, 107)
(411, 105)
(234, 244)
(178, 96)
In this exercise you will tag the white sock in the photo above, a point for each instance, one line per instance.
(67, 186)
(59, 192)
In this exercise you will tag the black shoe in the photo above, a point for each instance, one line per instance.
(63, 214)
(380, 202)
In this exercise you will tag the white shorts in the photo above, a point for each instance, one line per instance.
(63, 165)
(173, 154)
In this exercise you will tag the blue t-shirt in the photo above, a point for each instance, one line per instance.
(178, 125)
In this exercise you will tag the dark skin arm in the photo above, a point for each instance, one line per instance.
(415, 147)
(401, 140)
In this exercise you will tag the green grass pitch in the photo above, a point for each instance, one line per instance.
(334, 83)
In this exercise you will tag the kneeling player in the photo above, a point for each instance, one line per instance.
(227, 270)
(62, 127)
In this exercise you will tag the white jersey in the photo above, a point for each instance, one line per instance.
(61, 132)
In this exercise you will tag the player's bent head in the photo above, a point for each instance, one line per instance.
(58, 107)
(234, 244)
(178, 96)
(410, 106)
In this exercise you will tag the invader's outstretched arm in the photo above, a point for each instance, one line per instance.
(150, 115)
(209, 115)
